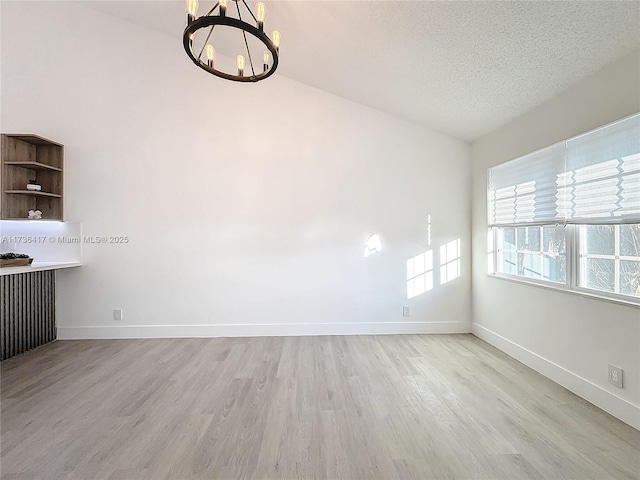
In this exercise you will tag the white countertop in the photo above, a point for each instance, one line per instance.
(38, 266)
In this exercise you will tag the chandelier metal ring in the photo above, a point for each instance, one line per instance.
(213, 20)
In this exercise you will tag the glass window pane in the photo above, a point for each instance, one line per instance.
(554, 261)
(521, 235)
(554, 267)
(530, 265)
(530, 262)
(509, 238)
(507, 262)
(630, 240)
(630, 277)
(528, 238)
(533, 240)
(599, 239)
(508, 244)
(600, 274)
(553, 239)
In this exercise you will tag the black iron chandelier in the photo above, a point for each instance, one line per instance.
(217, 16)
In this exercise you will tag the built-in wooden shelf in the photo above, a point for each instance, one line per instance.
(34, 193)
(34, 166)
(34, 139)
(27, 158)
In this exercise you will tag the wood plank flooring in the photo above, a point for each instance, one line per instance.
(359, 407)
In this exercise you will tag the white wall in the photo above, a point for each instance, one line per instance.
(567, 337)
(247, 207)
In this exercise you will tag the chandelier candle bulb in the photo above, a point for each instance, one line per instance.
(265, 60)
(275, 38)
(260, 13)
(223, 8)
(192, 10)
(240, 63)
(211, 54)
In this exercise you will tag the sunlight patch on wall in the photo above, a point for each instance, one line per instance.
(450, 261)
(420, 274)
(374, 245)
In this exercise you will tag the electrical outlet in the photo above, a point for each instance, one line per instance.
(117, 314)
(406, 311)
(615, 376)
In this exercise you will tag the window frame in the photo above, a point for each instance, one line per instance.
(541, 252)
(577, 267)
(573, 272)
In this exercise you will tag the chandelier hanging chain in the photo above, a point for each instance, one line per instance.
(244, 34)
(249, 10)
(194, 33)
(207, 40)
(248, 53)
(210, 31)
(214, 7)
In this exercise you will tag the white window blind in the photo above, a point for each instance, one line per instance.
(605, 168)
(593, 178)
(525, 190)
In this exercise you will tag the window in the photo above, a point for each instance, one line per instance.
(537, 252)
(420, 274)
(569, 215)
(610, 258)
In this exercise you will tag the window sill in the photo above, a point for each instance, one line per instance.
(562, 289)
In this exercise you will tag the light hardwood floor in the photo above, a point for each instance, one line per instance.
(361, 407)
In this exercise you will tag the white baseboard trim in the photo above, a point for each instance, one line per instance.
(258, 330)
(607, 401)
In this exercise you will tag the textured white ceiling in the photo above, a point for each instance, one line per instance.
(461, 68)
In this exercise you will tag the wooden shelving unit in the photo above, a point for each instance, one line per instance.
(30, 157)
(34, 193)
(34, 166)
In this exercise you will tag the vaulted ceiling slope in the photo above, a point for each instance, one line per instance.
(461, 68)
